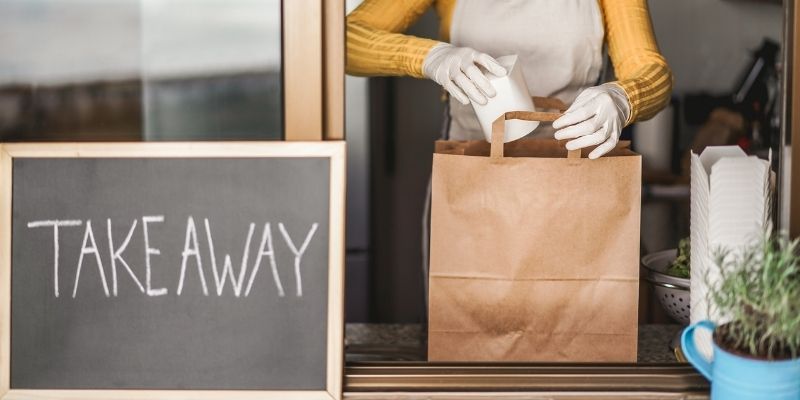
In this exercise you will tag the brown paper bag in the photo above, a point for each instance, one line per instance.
(534, 255)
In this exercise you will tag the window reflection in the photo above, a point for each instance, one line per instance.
(211, 69)
(140, 69)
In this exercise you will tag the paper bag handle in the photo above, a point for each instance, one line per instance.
(498, 126)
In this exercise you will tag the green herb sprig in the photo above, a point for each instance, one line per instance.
(681, 267)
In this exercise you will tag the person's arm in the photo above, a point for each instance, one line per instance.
(642, 89)
(375, 45)
(640, 69)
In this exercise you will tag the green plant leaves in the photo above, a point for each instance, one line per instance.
(759, 291)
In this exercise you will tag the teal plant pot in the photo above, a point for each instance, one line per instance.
(736, 377)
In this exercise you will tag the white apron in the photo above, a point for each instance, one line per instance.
(559, 43)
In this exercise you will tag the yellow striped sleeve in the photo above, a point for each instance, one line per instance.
(445, 10)
(641, 70)
(374, 44)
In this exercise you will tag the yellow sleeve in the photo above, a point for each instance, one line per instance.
(374, 44)
(641, 70)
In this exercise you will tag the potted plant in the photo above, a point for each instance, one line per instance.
(755, 353)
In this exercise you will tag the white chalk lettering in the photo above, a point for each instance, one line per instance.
(266, 240)
(194, 251)
(227, 269)
(55, 224)
(117, 255)
(298, 254)
(89, 235)
(149, 251)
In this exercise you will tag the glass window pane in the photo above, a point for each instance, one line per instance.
(140, 69)
(69, 70)
(212, 69)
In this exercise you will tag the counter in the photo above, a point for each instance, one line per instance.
(406, 342)
(387, 361)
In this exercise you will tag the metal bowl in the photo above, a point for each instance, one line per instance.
(672, 292)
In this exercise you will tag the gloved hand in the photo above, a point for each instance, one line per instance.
(456, 69)
(597, 116)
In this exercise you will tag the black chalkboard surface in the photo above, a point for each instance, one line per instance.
(175, 272)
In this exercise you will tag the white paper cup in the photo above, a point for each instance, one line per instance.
(512, 95)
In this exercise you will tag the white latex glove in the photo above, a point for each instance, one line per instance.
(595, 118)
(456, 69)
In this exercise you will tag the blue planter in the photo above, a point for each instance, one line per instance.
(735, 377)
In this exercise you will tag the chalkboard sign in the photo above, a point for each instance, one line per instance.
(170, 269)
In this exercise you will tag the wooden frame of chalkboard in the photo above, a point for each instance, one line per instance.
(333, 150)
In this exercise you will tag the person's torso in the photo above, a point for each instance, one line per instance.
(559, 43)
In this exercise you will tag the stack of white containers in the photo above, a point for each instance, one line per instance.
(731, 207)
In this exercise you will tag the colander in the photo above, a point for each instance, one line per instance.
(672, 292)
